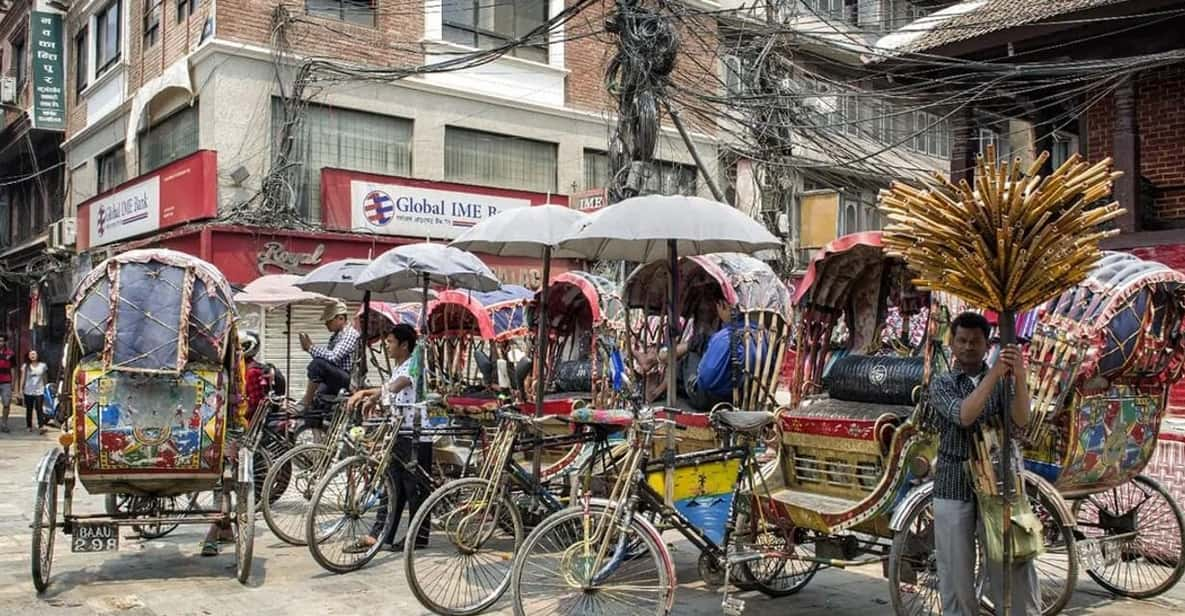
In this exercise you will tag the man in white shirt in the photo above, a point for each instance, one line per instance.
(400, 344)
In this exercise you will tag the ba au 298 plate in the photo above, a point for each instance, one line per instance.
(95, 538)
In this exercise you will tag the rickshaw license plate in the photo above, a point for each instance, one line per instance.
(95, 538)
(1098, 555)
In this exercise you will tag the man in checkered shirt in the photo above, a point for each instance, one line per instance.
(964, 399)
(329, 372)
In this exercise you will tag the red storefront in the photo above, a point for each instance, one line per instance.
(363, 215)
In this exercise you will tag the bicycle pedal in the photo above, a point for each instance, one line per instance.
(732, 606)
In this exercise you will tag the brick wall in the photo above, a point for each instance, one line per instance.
(1162, 129)
(392, 42)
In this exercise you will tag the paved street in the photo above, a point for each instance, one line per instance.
(168, 577)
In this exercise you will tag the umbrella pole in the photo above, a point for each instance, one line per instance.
(541, 356)
(288, 347)
(1007, 326)
(422, 371)
(364, 340)
(672, 321)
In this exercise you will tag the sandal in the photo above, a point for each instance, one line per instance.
(359, 547)
(209, 548)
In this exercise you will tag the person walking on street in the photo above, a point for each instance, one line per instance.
(32, 386)
(966, 398)
(7, 367)
(329, 371)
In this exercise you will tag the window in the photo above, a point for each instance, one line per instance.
(19, 60)
(173, 138)
(475, 157)
(112, 168)
(81, 66)
(825, 8)
(185, 8)
(107, 32)
(1062, 147)
(737, 77)
(667, 178)
(345, 139)
(988, 137)
(152, 11)
(352, 11)
(485, 25)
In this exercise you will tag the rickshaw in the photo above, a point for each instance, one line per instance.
(859, 439)
(759, 300)
(155, 384)
(469, 334)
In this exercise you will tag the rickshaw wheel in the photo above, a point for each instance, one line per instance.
(45, 511)
(1154, 560)
(244, 522)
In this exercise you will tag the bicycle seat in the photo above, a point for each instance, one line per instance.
(602, 417)
(743, 421)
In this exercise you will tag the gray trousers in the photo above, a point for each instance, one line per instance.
(956, 523)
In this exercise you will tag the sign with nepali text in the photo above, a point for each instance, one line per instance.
(394, 209)
(49, 93)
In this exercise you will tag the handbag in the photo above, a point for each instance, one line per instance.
(1028, 539)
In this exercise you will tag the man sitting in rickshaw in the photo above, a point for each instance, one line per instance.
(329, 371)
(705, 362)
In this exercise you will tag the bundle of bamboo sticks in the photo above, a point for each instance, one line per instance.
(1017, 238)
(985, 459)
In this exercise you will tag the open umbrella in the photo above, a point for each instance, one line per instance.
(413, 266)
(336, 279)
(278, 290)
(653, 227)
(533, 232)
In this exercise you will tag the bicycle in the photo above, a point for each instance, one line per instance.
(346, 504)
(476, 524)
(606, 556)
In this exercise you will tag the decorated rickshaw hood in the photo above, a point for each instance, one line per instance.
(384, 315)
(747, 283)
(153, 311)
(493, 315)
(599, 293)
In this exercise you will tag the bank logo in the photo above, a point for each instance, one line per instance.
(379, 207)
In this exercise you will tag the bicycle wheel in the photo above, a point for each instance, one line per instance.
(554, 570)
(913, 566)
(1151, 560)
(288, 491)
(45, 519)
(348, 503)
(466, 567)
(780, 577)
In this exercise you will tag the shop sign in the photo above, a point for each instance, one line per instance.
(45, 46)
(132, 211)
(413, 211)
(274, 255)
(589, 200)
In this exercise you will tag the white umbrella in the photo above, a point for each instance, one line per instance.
(278, 290)
(655, 227)
(418, 265)
(528, 232)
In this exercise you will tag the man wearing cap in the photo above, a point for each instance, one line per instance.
(329, 372)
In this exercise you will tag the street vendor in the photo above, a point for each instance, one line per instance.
(967, 398)
(400, 344)
(329, 371)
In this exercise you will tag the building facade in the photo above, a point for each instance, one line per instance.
(35, 258)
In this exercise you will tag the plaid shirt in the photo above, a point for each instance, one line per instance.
(341, 349)
(947, 393)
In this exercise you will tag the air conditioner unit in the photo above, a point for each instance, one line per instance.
(63, 233)
(8, 90)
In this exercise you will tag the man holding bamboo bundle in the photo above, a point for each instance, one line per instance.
(968, 398)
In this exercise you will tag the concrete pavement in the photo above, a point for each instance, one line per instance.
(167, 576)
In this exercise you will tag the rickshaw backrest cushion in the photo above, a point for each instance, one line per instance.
(869, 378)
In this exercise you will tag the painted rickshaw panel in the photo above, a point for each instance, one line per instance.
(152, 394)
(495, 315)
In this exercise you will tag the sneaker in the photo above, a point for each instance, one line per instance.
(209, 548)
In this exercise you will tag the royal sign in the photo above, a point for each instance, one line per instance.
(180, 192)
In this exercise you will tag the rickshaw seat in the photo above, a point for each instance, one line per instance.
(743, 421)
(622, 418)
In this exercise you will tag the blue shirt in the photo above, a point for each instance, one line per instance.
(714, 374)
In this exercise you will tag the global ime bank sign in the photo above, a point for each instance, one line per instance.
(416, 211)
(132, 211)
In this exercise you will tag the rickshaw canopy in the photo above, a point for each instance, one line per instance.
(594, 296)
(385, 315)
(493, 315)
(744, 282)
(153, 311)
